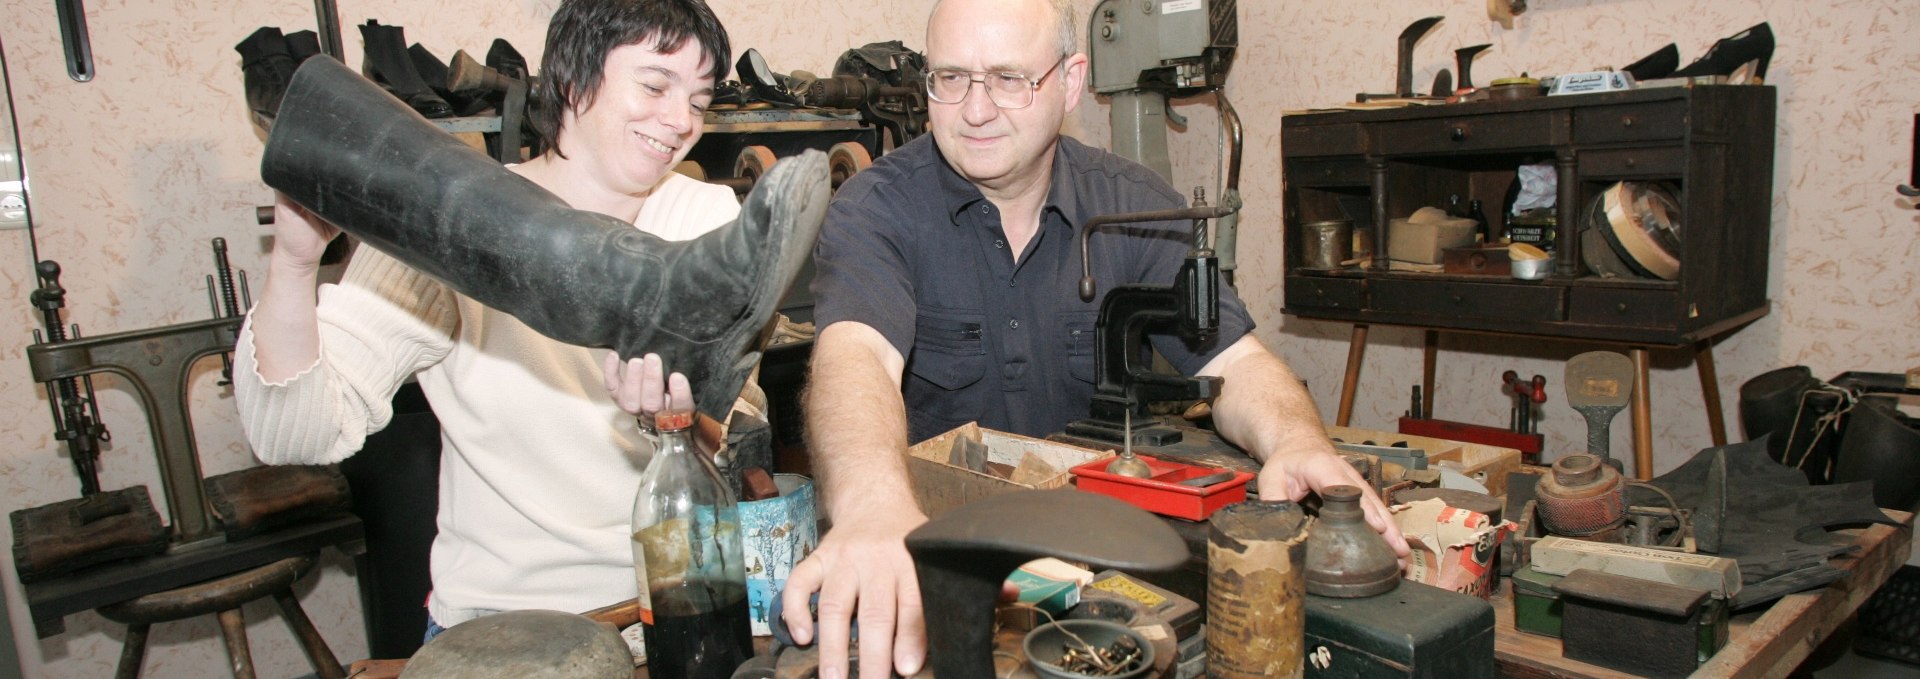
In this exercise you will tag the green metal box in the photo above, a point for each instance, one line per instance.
(1413, 631)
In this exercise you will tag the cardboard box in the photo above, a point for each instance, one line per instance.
(1488, 465)
(938, 486)
(1425, 242)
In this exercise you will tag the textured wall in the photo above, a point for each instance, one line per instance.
(135, 171)
(1842, 276)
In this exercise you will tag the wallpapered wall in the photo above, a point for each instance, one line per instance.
(134, 172)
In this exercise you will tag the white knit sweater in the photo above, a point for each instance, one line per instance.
(538, 466)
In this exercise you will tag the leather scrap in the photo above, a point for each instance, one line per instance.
(1775, 524)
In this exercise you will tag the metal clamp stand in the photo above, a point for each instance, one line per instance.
(1191, 305)
(157, 364)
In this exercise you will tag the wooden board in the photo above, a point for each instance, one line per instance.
(1767, 643)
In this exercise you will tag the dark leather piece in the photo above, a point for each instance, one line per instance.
(69, 535)
(260, 499)
(1775, 523)
(365, 162)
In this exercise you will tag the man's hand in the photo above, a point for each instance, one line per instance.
(862, 569)
(640, 387)
(1290, 476)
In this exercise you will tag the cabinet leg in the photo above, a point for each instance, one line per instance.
(1642, 417)
(1356, 350)
(1710, 393)
(1429, 351)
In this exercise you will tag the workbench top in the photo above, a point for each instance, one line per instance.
(1768, 642)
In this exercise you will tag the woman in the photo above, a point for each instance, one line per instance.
(540, 457)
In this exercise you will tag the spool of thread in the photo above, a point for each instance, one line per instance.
(1256, 592)
(1583, 498)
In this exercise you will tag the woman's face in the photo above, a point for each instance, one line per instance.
(645, 117)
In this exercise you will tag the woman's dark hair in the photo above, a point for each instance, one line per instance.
(583, 32)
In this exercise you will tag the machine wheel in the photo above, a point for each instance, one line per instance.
(691, 169)
(753, 162)
(845, 159)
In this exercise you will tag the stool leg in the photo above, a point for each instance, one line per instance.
(1356, 350)
(1429, 355)
(1642, 404)
(1710, 393)
(233, 627)
(133, 653)
(324, 664)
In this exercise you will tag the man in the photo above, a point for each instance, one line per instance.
(947, 285)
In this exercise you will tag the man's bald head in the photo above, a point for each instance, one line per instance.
(1061, 10)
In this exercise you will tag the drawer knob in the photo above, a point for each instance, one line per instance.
(1457, 133)
(1622, 307)
(1456, 299)
(1630, 161)
(1626, 121)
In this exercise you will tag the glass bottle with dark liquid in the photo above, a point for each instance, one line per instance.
(687, 556)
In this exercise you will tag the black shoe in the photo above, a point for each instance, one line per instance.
(502, 57)
(266, 66)
(362, 161)
(303, 44)
(1752, 46)
(387, 63)
(1660, 64)
(761, 82)
(434, 72)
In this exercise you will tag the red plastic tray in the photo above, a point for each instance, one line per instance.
(1162, 493)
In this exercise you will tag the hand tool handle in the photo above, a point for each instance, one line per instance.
(1599, 430)
(73, 36)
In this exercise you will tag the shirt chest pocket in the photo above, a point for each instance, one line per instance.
(948, 349)
(1079, 335)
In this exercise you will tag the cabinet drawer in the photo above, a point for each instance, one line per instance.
(1508, 301)
(1314, 292)
(1666, 162)
(1466, 133)
(1618, 307)
(1639, 122)
(1328, 172)
(1346, 139)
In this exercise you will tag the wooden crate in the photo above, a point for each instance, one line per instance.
(1487, 464)
(938, 486)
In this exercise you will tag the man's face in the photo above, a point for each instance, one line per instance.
(645, 117)
(989, 145)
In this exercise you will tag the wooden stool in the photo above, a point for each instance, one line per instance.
(224, 596)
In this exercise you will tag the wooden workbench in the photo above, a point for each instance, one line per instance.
(1767, 643)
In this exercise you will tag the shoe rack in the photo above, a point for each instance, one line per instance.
(1712, 144)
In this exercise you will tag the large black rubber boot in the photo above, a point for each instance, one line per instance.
(372, 166)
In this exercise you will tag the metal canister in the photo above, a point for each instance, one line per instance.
(1256, 589)
(1325, 244)
(1583, 498)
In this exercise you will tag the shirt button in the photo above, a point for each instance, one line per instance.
(1013, 323)
(1000, 245)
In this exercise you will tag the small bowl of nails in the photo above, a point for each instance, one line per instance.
(1077, 649)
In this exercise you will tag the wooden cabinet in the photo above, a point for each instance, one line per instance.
(1712, 144)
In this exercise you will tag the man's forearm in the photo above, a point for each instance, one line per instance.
(1262, 407)
(856, 423)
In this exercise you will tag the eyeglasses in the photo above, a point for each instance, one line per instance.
(1007, 89)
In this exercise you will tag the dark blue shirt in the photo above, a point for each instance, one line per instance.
(914, 250)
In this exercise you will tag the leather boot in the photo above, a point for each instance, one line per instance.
(1882, 445)
(502, 57)
(303, 44)
(267, 66)
(368, 164)
(387, 62)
